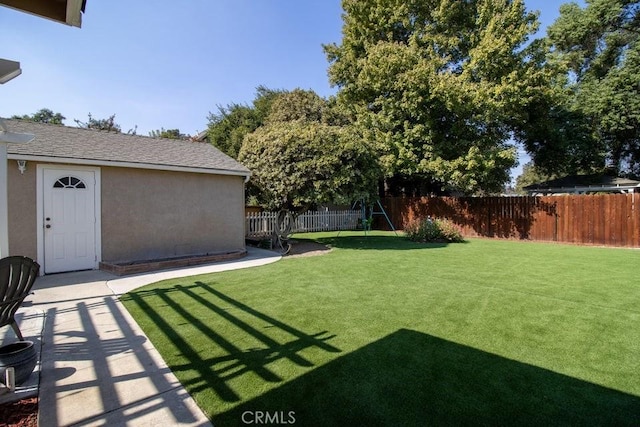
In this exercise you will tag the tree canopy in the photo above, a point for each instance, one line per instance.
(598, 48)
(228, 127)
(298, 104)
(109, 124)
(297, 159)
(439, 86)
(167, 133)
(44, 115)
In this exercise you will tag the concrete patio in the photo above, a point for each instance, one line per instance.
(97, 367)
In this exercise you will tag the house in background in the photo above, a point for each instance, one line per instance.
(79, 197)
(584, 184)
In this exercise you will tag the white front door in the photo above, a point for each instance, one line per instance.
(69, 219)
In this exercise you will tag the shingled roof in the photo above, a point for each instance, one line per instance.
(584, 184)
(63, 144)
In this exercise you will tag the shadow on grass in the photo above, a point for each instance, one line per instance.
(373, 242)
(215, 373)
(413, 379)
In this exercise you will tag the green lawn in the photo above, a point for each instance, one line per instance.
(383, 331)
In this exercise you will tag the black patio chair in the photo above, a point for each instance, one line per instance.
(17, 275)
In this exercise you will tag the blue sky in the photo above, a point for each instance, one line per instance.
(168, 64)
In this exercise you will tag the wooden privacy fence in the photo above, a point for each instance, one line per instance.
(264, 223)
(603, 219)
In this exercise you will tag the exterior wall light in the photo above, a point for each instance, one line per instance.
(22, 166)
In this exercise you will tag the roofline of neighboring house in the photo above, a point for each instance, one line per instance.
(584, 188)
(614, 185)
(152, 166)
(201, 136)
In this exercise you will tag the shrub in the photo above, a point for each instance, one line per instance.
(433, 230)
(449, 231)
(422, 230)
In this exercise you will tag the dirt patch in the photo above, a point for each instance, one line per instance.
(301, 248)
(23, 413)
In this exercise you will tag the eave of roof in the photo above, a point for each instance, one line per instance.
(63, 11)
(134, 165)
(62, 144)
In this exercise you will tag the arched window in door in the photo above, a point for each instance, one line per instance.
(69, 182)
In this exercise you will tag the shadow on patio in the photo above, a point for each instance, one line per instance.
(97, 369)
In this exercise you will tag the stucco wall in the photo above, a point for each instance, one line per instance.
(146, 214)
(22, 210)
(149, 214)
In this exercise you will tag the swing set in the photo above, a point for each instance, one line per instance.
(285, 221)
(367, 212)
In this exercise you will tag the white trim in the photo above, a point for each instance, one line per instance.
(40, 209)
(90, 162)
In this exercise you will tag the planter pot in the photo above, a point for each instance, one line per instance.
(20, 355)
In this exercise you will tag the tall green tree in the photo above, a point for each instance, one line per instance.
(298, 158)
(439, 86)
(295, 165)
(559, 136)
(44, 115)
(228, 127)
(599, 47)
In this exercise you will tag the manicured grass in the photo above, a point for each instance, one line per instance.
(383, 331)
